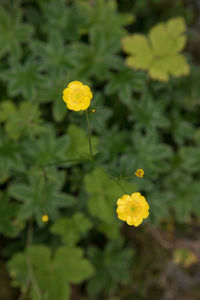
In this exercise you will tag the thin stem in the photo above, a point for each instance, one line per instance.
(89, 134)
(119, 184)
(31, 278)
(62, 162)
(116, 180)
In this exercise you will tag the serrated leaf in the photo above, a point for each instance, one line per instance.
(23, 79)
(78, 145)
(12, 32)
(10, 156)
(103, 194)
(40, 196)
(8, 213)
(111, 266)
(21, 121)
(159, 52)
(71, 230)
(67, 266)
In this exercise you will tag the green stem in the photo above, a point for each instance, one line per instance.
(89, 134)
(31, 278)
(116, 180)
(119, 184)
(62, 162)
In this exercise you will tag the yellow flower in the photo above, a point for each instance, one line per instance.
(139, 173)
(132, 209)
(77, 96)
(45, 218)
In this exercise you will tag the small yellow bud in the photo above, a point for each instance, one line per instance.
(139, 173)
(45, 218)
(93, 110)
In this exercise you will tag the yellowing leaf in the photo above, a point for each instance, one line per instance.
(159, 52)
(184, 257)
(138, 45)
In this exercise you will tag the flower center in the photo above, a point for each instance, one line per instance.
(78, 96)
(132, 209)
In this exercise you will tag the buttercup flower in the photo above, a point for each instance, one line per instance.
(77, 96)
(132, 209)
(139, 173)
(45, 218)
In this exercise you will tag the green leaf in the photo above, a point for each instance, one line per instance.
(148, 153)
(10, 156)
(67, 266)
(23, 79)
(103, 194)
(53, 55)
(41, 196)
(149, 113)
(124, 82)
(47, 149)
(21, 121)
(8, 212)
(71, 230)
(159, 53)
(79, 146)
(12, 32)
(184, 195)
(112, 265)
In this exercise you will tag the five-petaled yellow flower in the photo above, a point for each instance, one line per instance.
(132, 209)
(45, 218)
(77, 96)
(139, 173)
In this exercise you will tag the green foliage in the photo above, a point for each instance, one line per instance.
(12, 32)
(112, 266)
(103, 194)
(45, 163)
(78, 145)
(56, 284)
(41, 195)
(159, 54)
(8, 211)
(22, 121)
(72, 229)
(23, 79)
(10, 157)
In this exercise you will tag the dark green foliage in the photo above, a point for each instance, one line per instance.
(45, 165)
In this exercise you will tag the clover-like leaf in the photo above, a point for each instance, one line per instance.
(160, 52)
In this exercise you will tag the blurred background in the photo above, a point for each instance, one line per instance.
(147, 98)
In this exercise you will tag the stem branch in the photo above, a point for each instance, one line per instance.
(89, 134)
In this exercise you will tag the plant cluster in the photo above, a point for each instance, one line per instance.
(57, 205)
